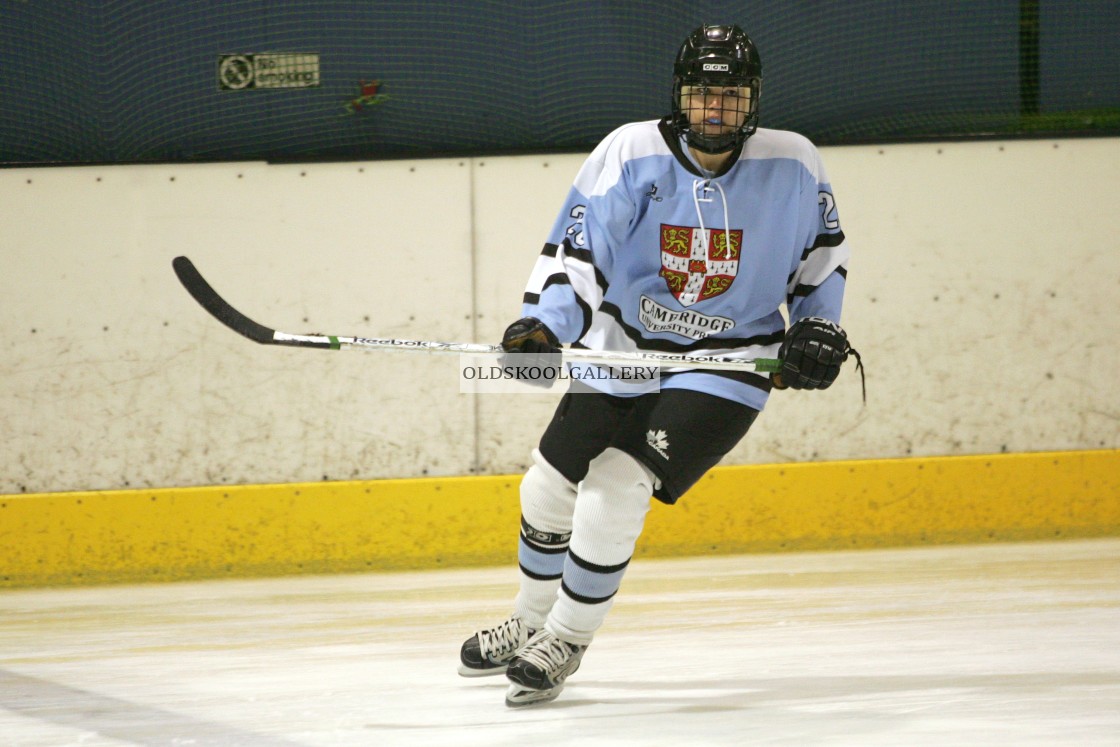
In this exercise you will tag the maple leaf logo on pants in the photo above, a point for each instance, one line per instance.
(659, 442)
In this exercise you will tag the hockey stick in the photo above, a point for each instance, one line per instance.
(209, 299)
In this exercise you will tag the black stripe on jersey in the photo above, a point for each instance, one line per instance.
(668, 346)
(803, 290)
(583, 255)
(551, 250)
(561, 279)
(824, 240)
(750, 378)
(557, 279)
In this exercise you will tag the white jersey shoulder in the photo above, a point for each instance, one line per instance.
(766, 144)
(603, 167)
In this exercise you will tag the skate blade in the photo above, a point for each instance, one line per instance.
(519, 697)
(465, 671)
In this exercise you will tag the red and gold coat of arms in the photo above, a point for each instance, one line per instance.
(699, 264)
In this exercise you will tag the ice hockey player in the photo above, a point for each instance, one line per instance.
(685, 235)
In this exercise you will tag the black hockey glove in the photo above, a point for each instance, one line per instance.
(812, 352)
(531, 336)
(527, 342)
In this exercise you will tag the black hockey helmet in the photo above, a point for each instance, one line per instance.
(715, 57)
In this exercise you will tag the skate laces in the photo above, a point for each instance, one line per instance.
(504, 639)
(549, 653)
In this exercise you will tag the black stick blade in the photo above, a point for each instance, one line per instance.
(209, 299)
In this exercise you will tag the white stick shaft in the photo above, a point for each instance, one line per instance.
(603, 357)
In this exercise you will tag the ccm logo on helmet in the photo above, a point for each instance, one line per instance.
(716, 67)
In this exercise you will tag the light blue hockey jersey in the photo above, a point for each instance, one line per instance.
(650, 253)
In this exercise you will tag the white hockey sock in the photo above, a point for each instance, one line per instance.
(610, 512)
(547, 503)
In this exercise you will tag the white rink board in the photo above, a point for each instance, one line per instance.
(981, 292)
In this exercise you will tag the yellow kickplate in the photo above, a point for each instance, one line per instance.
(212, 532)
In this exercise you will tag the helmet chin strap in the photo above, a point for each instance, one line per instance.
(704, 145)
(712, 161)
(712, 144)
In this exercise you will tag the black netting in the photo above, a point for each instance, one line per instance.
(140, 80)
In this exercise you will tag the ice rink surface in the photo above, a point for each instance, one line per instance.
(1005, 644)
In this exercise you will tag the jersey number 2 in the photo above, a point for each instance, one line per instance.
(828, 210)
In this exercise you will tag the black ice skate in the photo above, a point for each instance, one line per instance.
(489, 651)
(537, 672)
